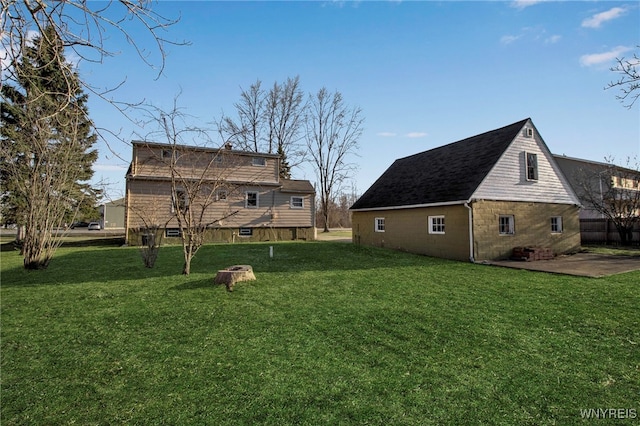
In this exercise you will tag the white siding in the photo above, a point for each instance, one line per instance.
(508, 180)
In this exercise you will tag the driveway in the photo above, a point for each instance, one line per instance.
(580, 264)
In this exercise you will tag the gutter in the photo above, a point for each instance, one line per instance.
(412, 206)
(471, 254)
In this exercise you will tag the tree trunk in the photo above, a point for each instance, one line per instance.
(626, 235)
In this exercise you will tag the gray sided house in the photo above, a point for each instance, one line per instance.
(475, 199)
(245, 198)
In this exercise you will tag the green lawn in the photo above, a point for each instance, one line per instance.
(330, 333)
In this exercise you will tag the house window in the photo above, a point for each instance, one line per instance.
(251, 200)
(166, 154)
(259, 161)
(297, 202)
(179, 200)
(245, 232)
(221, 195)
(506, 225)
(172, 232)
(436, 224)
(379, 224)
(532, 165)
(556, 225)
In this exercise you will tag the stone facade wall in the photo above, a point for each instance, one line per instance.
(532, 227)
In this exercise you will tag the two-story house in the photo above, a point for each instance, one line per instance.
(239, 195)
(475, 199)
(610, 196)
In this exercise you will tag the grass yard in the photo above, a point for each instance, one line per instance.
(330, 333)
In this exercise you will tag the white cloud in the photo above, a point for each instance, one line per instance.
(416, 135)
(604, 57)
(386, 134)
(553, 39)
(508, 39)
(599, 18)
(521, 4)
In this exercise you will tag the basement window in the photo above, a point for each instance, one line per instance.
(245, 232)
(172, 232)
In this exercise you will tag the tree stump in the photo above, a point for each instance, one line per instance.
(231, 275)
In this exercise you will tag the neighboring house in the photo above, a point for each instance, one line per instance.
(601, 180)
(607, 185)
(475, 199)
(112, 214)
(250, 202)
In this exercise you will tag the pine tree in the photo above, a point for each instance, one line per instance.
(47, 139)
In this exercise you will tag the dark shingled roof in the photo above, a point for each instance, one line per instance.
(445, 174)
(301, 186)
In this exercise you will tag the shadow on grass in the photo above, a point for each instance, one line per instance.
(90, 264)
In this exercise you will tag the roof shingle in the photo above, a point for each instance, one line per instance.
(449, 173)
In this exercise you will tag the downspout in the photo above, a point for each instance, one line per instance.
(471, 254)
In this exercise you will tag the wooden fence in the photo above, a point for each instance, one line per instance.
(603, 231)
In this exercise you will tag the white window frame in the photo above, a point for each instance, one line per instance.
(378, 224)
(437, 224)
(528, 132)
(510, 224)
(534, 167)
(259, 161)
(557, 227)
(296, 202)
(246, 199)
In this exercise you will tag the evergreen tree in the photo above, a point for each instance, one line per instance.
(47, 139)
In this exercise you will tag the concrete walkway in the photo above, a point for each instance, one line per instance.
(580, 264)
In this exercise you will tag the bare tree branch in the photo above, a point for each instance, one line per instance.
(629, 81)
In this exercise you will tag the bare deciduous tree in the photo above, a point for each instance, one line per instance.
(198, 177)
(629, 81)
(84, 28)
(333, 132)
(153, 223)
(269, 122)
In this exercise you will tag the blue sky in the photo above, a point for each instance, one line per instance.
(424, 73)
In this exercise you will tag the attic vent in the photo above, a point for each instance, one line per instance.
(528, 132)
